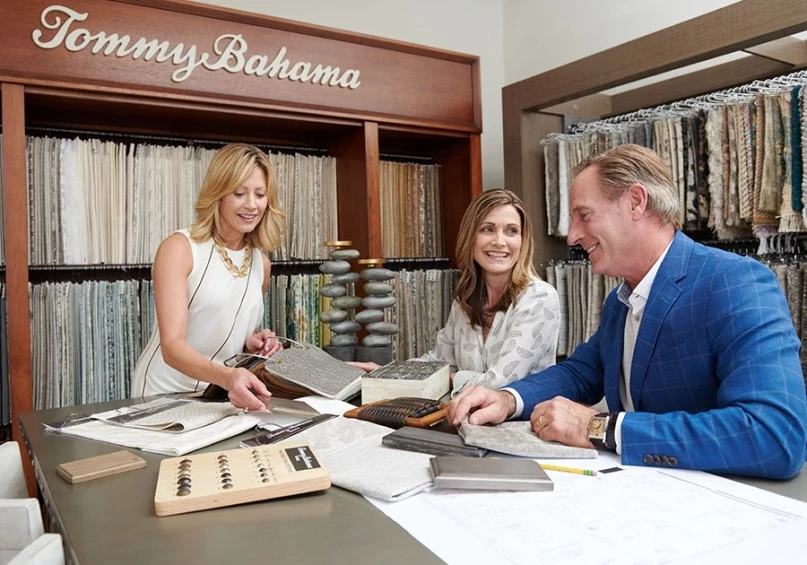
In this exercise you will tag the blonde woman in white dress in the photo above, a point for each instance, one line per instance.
(209, 284)
(504, 321)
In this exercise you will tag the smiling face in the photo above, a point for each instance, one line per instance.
(242, 210)
(601, 226)
(497, 242)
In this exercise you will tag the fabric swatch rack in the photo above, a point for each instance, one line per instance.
(95, 272)
(90, 333)
(411, 209)
(423, 301)
(582, 292)
(123, 199)
(737, 159)
(735, 156)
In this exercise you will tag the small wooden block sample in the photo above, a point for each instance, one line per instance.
(100, 466)
(236, 476)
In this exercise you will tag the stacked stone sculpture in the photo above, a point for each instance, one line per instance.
(343, 327)
(377, 345)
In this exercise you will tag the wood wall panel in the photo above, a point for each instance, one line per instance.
(532, 186)
(397, 83)
(50, 107)
(359, 207)
(475, 166)
(15, 218)
(716, 33)
(722, 76)
(459, 188)
(373, 204)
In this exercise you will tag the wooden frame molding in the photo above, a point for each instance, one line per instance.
(15, 214)
(530, 106)
(185, 49)
(729, 29)
(788, 50)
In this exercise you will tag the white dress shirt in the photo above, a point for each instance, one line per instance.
(635, 300)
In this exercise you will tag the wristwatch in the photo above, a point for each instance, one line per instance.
(601, 430)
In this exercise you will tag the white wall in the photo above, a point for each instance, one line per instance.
(543, 34)
(467, 26)
(515, 39)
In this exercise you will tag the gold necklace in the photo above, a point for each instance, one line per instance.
(236, 272)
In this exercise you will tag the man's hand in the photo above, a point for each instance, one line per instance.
(484, 405)
(562, 420)
(245, 388)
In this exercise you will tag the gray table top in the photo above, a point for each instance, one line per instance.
(112, 519)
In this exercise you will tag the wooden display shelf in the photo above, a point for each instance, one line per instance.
(412, 100)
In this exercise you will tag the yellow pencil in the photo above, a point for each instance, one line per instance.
(588, 472)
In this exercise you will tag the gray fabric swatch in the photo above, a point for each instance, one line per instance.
(516, 438)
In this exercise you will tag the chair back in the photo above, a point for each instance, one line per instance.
(12, 479)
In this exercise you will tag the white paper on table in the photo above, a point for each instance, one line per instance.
(634, 516)
(161, 442)
(272, 421)
(327, 405)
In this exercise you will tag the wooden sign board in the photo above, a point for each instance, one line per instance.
(198, 50)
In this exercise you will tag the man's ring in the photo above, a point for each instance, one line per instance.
(541, 422)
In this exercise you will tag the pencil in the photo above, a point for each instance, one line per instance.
(588, 472)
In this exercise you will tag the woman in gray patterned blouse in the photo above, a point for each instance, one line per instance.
(504, 320)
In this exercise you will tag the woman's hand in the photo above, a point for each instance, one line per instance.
(245, 388)
(264, 343)
(367, 367)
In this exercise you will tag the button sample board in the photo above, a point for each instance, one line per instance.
(226, 478)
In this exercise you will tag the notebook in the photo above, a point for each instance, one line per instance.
(431, 442)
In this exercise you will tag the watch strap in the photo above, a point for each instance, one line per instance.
(610, 431)
(609, 442)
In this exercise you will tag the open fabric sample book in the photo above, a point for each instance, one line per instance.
(299, 371)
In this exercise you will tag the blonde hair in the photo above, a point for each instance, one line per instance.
(230, 167)
(471, 290)
(625, 165)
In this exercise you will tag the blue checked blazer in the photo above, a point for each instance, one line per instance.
(716, 379)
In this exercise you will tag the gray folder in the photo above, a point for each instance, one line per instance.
(489, 474)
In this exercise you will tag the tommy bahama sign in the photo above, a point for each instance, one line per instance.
(230, 52)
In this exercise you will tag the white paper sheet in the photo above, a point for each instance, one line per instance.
(634, 516)
(161, 442)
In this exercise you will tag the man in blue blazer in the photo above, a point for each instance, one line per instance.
(696, 352)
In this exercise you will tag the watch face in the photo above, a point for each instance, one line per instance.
(596, 428)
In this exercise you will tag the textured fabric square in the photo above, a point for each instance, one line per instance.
(516, 438)
(352, 452)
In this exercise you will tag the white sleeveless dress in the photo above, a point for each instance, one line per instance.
(223, 311)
